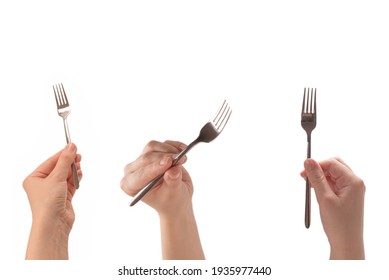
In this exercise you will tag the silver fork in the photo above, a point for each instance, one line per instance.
(308, 122)
(63, 108)
(208, 133)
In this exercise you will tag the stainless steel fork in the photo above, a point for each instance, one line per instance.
(308, 122)
(63, 108)
(208, 133)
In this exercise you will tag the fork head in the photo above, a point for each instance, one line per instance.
(61, 99)
(308, 112)
(213, 128)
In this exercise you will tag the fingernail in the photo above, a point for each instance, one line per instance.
(175, 175)
(70, 147)
(309, 164)
(182, 147)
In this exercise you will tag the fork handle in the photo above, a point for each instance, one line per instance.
(76, 181)
(307, 205)
(67, 133)
(309, 149)
(308, 191)
(75, 176)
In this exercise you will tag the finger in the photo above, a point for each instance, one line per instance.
(133, 182)
(80, 174)
(65, 160)
(185, 176)
(147, 159)
(166, 147)
(173, 177)
(79, 171)
(154, 151)
(182, 160)
(342, 162)
(324, 164)
(46, 167)
(317, 179)
(178, 145)
(338, 171)
(78, 158)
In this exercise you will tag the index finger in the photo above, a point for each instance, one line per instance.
(133, 182)
(45, 168)
(165, 147)
(154, 151)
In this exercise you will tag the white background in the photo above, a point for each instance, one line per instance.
(135, 71)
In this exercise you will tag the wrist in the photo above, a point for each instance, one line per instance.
(48, 240)
(179, 216)
(180, 237)
(352, 251)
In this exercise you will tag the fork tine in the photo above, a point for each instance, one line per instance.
(310, 110)
(309, 98)
(314, 106)
(302, 110)
(64, 94)
(225, 120)
(220, 110)
(222, 117)
(61, 94)
(220, 113)
(56, 96)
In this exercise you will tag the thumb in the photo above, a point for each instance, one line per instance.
(65, 160)
(317, 179)
(173, 177)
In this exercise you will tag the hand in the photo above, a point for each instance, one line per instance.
(340, 194)
(171, 198)
(174, 194)
(50, 190)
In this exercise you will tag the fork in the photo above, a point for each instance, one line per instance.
(208, 133)
(63, 108)
(308, 122)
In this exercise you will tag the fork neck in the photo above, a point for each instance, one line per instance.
(67, 133)
(309, 137)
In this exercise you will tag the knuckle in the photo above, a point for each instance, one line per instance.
(360, 184)
(125, 186)
(318, 178)
(25, 183)
(127, 168)
(336, 158)
(145, 158)
(150, 146)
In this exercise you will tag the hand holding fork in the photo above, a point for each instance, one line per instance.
(63, 108)
(208, 133)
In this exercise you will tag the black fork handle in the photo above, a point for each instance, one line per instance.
(308, 193)
(307, 205)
